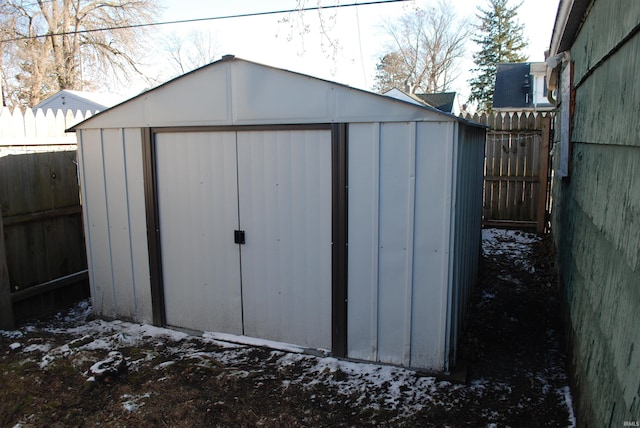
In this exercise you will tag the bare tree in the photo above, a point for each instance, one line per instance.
(423, 51)
(186, 53)
(298, 24)
(50, 45)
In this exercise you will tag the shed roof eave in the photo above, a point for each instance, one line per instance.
(569, 19)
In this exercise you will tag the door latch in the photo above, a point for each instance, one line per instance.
(238, 236)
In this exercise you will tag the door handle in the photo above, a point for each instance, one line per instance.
(238, 237)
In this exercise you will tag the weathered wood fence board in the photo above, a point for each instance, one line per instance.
(6, 305)
(43, 232)
(516, 169)
(43, 237)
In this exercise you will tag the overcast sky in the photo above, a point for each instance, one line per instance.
(269, 40)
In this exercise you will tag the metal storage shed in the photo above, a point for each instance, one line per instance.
(245, 199)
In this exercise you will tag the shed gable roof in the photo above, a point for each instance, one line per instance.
(233, 91)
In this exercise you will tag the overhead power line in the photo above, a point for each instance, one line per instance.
(212, 18)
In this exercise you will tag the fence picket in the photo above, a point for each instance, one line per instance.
(17, 124)
(512, 167)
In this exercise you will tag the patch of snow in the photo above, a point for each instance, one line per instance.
(507, 242)
(510, 279)
(511, 244)
(565, 392)
(371, 385)
(45, 347)
(252, 341)
(207, 338)
(133, 403)
(113, 359)
(165, 365)
(486, 296)
(11, 334)
(15, 345)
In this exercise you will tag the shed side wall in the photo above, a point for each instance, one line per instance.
(115, 227)
(399, 203)
(466, 225)
(596, 218)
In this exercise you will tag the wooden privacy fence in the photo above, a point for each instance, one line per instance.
(42, 255)
(516, 171)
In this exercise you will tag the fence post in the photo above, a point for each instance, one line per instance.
(544, 175)
(6, 304)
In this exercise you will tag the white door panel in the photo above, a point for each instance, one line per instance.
(198, 208)
(285, 209)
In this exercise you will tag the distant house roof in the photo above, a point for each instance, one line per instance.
(444, 101)
(78, 100)
(401, 95)
(514, 87)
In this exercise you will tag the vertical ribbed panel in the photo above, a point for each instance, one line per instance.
(118, 216)
(197, 199)
(137, 225)
(285, 209)
(399, 214)
(96, 225)
(431, 244)
(364, 193)
(115, 226)
(394, 205)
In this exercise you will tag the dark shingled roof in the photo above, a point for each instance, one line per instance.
(443, 101)
(513, 83)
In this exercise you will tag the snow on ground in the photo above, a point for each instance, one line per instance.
(399, 388)
(512, 244)
(373, 385)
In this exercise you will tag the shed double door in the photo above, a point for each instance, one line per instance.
(275, 186)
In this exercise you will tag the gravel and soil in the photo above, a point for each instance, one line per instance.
(77, 370)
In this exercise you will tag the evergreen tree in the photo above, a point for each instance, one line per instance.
(501, 40)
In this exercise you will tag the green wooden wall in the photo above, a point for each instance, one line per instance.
(596, 218)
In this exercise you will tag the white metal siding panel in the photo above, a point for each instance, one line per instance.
(364, 164)
(285, 209)
(243, 93)
(266, 95)
(118, 217)
(97, 223)
(396, 200)
(192, 101)
(137, 225)
(83, 138)
(399, 213)
(431, 244)
(198, 209)
(110, 172)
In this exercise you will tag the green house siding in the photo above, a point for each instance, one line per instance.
(596, 217)
(608, 101)
(602, 289)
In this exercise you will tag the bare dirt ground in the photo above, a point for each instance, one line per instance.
(513, 344)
